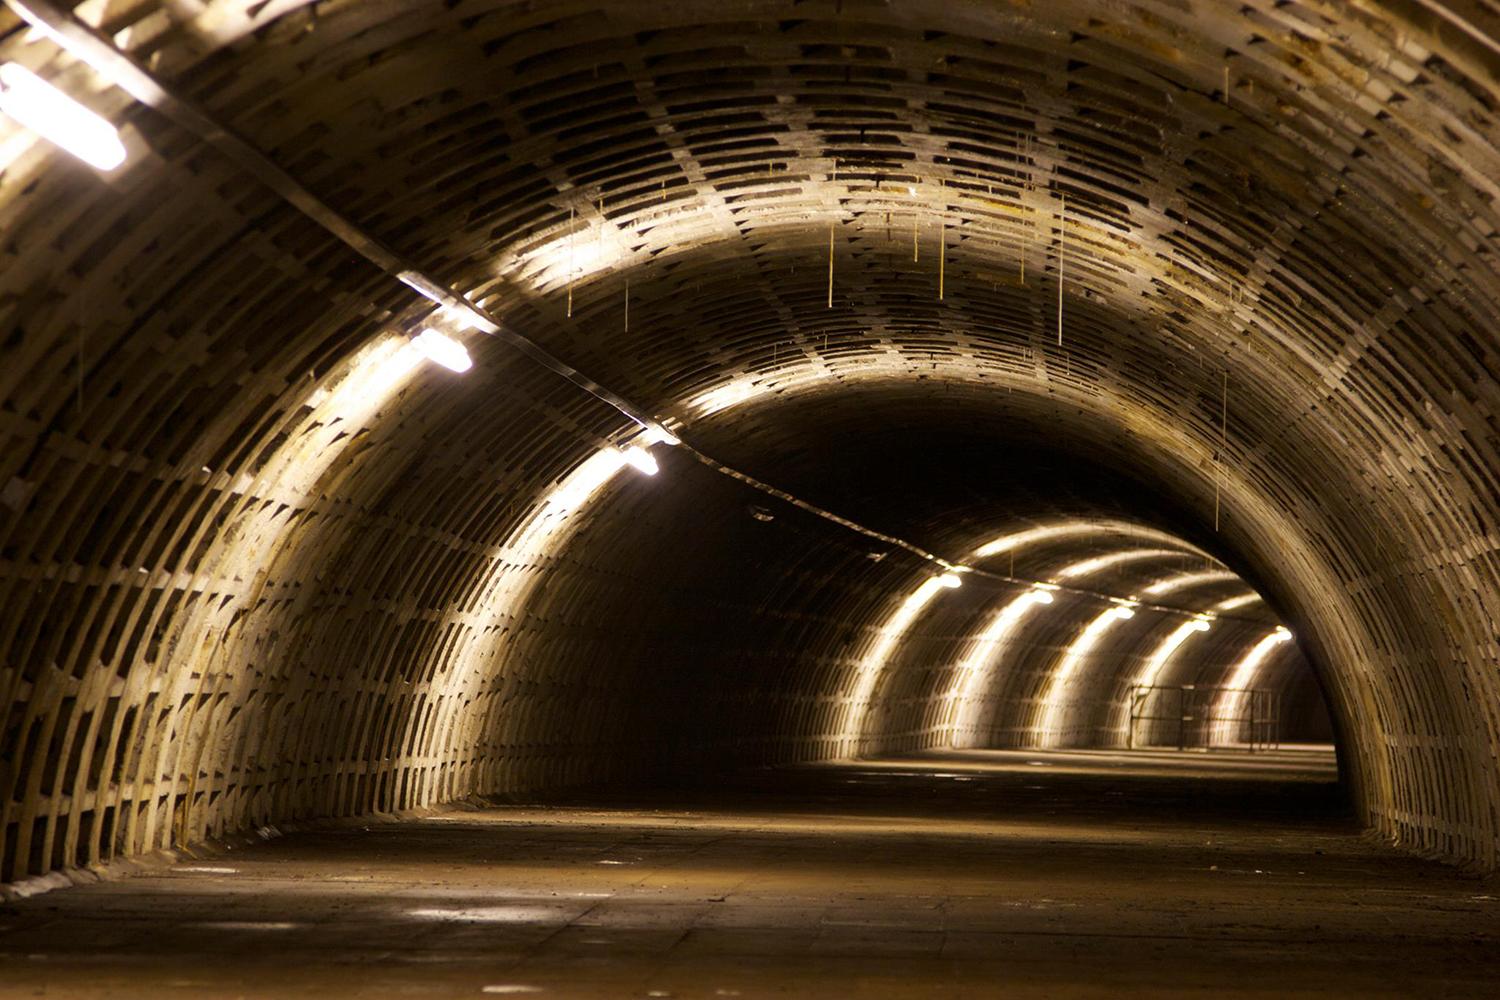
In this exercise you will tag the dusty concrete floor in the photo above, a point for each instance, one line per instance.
(970, 874)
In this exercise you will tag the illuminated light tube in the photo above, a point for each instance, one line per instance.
(58, 118)
(443, 350)
(1241, 679)
(1054, 701)
(642, 460)
(962, 699)
(950, 581)
(659, 435)
(464, 318)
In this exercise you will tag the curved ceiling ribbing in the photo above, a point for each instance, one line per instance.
(1324, 237)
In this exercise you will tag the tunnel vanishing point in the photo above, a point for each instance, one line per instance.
(414, 403)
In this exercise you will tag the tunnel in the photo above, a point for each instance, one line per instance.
(914, 498)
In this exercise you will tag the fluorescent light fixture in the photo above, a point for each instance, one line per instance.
(463, 317)
(659, 435)
(443, 350)
(949, 580)
(58, 118)
(642, 459)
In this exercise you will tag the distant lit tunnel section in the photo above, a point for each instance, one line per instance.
(1055, 659)
(1061, 699)
(1236, 713)
(1084, 633)
(853, 737)
(974, 673)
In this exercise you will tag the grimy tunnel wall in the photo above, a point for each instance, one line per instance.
(257, 564)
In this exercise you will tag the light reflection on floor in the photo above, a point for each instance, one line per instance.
(972, 873)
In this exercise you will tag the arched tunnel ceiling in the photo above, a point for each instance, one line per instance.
(1274, 228)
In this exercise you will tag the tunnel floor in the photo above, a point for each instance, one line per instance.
(979, 873)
